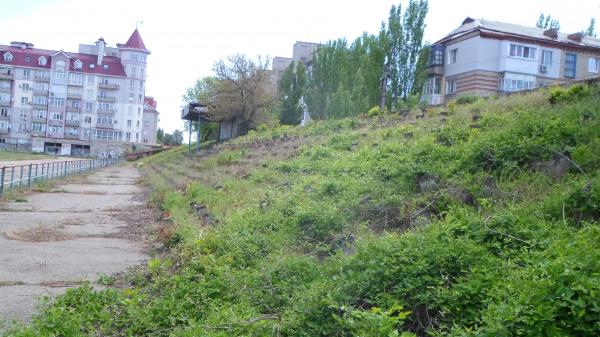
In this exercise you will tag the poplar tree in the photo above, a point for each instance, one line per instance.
(291, 89)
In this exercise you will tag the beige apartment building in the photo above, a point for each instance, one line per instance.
(303, 52)
(485, 57)
(85, 103)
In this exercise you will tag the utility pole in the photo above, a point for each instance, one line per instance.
(384, 80)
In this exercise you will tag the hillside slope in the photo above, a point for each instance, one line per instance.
(480, 223)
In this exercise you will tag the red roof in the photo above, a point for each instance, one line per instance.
(135, 42)
(150, 101)
(29, 58)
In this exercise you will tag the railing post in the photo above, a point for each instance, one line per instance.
(12, 177)
(21, 177)
(2, 173)
(29, 176)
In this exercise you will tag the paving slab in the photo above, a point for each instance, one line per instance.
(69, 235)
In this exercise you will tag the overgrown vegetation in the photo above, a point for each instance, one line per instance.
(382, 226)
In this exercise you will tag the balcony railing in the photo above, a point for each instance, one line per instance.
(73, 109)
(107, 99)
(71, 136)
(104, 125)
(106, 111)
(39, 105)
(40, 92)
(38, 119)
(4, 116)
(5, 103)
(72, 122)
(41, 78)
(6, 76)
(73, 95)
(112, 86)
(76, 84)
(4, 130)
(5, 89)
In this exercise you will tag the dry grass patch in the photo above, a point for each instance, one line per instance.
(11, 283)
(40, 233)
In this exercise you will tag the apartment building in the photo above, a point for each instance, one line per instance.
(69, 103)
(302, 51)
(486, 57)
(150, 121)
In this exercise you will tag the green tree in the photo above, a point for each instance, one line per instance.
(291, 89)
(159, 135)
(547, 22)
(591, 30)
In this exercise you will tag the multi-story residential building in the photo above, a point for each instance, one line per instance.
(486, 57)
(303, 52)
(73, 103)
(150, 121)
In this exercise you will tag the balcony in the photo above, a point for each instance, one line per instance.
(435, 70)
(112, 86)
(38, 119)
(71, 136)
(40, 92)
(5, 103)
(4, 130)
(73, 95)
(38, 133)
(73, 109)
(75, 84)
(6, 75)
(106, 111)
(107, 99)
(104, 125)
(6, 117)
(39, 105)
(5, 89)
(41, 78)
(72, 122)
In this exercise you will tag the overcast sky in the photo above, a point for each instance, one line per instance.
(187, 37)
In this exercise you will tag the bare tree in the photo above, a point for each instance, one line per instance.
(243, 87)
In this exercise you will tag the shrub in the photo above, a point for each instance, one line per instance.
(562, 95)
(466, 99)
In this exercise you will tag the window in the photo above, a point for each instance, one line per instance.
(137, 124)
(76, 104)
(89, 107)
(450, 87)
(22, 127)
(41, 114)
(42, 61)
(38, 127)
(517, 50)
(146, 124)
(78, 64)
(57, 116)
(91, 79)
(570, 65)
(76, 79)
(103, 94)
(73, 117)
(546, 57)
(436, 57)
(26, 73)
(140, 98)
(133, 70)
(137, 137)
(129, 123)
(3, 125)
(142, 72)
(106, 106)
(58, 102)
(59, 72)
(25, 87)
(432, 86)
(104, 119)
(141, 85)
(105, 67)
(87, 119)
(452, 56)
(23, 115)
(41, 86)
(133, 57)
(54, 129)
(128, 136)
(89, 94)
(105, 134)
(139, 111)
(40, 100)
(4, 112)
(105, 80)
(131, 96)
(73, 132)
(5, 97)
(8, 57)
(24, 100)
(593, 65)
(27, 59)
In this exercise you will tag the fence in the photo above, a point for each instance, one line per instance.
(19, 176)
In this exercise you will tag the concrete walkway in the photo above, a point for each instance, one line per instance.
(61, 238)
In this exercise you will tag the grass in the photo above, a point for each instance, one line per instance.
(11, 156)
(330, 230)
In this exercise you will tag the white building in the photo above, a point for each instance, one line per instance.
(484, 57)
(73, 103)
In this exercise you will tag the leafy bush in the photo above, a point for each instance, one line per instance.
(466, 99)
(562, 95)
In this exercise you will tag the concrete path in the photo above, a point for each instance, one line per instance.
(69, 235)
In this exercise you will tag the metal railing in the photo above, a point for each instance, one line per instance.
(20, 176)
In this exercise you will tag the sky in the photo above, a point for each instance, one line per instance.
(187, 37)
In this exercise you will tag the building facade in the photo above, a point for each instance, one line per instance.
(149, 121)
(484, 57)
(302, 52)
(85, 103)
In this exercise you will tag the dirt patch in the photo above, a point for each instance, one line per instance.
(11, 283)
(39, 233)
